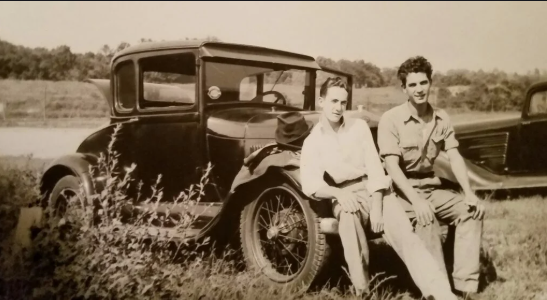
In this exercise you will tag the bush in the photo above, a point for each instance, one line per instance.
(90, 250)
(98, 247)
(18, 188)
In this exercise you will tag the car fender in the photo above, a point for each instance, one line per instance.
(479, 178)
(76, 164)
(240, 196)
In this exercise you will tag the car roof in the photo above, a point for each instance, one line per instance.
(537, 85)
(225, 50)
(165, 45)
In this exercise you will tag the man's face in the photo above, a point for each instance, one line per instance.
(334, 103)
(417, 87)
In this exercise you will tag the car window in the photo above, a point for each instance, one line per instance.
(248, 88)
(231, 82)
(126, 89)
(168, 81)
(289, 83)
(538, 103)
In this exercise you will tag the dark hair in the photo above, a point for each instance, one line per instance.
(416, 64)
(333, 82)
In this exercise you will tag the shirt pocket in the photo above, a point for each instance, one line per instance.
(409, 149)
(434, 147)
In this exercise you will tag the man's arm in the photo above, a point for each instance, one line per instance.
(347, 200)
(399, 178)
(311, 177)
(424, 209)
(460, 171)
(378, 181)
(389, 149)
(457, 164)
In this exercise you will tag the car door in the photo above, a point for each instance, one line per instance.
(168, 135)
(121, 134)
(533, 133)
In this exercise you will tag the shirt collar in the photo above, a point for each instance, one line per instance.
(325, 124)
(407, 113)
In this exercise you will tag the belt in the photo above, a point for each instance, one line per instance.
(419, 175)
(347, 183)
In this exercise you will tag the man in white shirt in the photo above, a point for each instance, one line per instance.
(344, 149)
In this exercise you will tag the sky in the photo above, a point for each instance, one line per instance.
(509, 36)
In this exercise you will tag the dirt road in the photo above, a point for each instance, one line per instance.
(40, 142)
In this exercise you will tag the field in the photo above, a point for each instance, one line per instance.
(71, 104)
(514, 232)
(515, 229)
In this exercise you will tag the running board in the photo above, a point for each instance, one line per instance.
(517, 182)
(204, 213)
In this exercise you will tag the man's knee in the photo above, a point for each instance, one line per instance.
(430, 233)
(466, 224)
(463, 215)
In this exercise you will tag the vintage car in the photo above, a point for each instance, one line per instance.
(505, 153)
(187, 104)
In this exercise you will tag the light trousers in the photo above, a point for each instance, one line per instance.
(450, 207)
(430, 277)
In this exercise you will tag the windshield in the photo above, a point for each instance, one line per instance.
(228, 82)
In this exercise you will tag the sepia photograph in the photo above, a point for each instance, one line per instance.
(273, 150)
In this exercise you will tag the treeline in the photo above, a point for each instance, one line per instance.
(58, 64)
(18, 62)
(455, 89)
(494, 90)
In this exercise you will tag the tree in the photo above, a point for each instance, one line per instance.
(390, 76)
(122, 46)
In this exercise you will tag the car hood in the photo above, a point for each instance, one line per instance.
(486, 124)
(261, 123)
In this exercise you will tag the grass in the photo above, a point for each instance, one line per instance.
(514, 230)
(62, 99)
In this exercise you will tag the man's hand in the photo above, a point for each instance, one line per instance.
(475, 205)
(376, 220)
(460, 171)
(348, 201)
(425, 211)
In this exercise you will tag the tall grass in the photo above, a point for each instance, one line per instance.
(98, 247)
(93, 252)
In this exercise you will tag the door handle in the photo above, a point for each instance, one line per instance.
(526, 122)
(199, 171)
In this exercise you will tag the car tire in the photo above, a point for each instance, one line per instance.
(280, 238)
(68, 186)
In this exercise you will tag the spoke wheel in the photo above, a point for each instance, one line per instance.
(66, 188)
(280, 237)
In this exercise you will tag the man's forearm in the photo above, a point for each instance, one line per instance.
(460, 171)
(400, 180)
(377, 200)
(327, 192)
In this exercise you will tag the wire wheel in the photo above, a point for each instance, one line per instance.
(66, 189)
(280, 237)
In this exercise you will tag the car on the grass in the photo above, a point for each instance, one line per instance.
(186, 104)
(505, 152)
